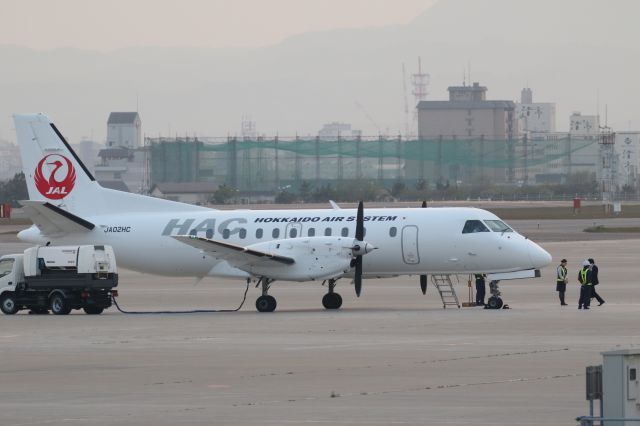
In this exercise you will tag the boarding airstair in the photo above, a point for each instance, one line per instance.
(445, 288)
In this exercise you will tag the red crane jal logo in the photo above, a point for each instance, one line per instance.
(55, 176)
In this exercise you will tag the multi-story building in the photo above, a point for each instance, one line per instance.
(537, 117)
(467, 114)
(124, 129)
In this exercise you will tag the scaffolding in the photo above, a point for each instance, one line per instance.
(264, 164)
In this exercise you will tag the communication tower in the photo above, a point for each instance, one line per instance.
(248, 128)
(419, 81)
(608, 169)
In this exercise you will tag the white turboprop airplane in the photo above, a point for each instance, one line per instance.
(68, 206)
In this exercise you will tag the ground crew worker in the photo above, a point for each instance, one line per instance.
(584, 278)
(595, 281)
(561, 280)
(480, 289)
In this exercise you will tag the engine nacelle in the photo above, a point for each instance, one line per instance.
(316, 258)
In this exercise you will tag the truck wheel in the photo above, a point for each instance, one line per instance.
(93, 310)
(59, 305)
(8, 304)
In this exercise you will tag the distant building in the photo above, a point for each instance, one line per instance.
(88, 151)
(584, 125)
(536, 117)
(335, 130)
(186, 192)
(124, 129)
(627, 148)
(467, 114)
(124, 165)
(10, 163)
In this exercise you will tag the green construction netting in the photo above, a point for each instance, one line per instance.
(247, 163)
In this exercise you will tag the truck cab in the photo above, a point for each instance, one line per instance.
(11, 271)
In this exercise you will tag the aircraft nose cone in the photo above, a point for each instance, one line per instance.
(539, 257)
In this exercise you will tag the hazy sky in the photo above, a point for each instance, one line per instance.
(106, 25)
(293, 65)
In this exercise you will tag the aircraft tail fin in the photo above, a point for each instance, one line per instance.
(55, 174)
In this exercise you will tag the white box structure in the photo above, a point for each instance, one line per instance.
(621, 385)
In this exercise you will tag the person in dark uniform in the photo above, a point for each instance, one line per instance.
(584, 278)
(561, 280)
(480, 289)
(595, 281)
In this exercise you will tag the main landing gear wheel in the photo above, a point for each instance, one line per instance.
(494, 303)
(59, 305)
(8, 304)
(332, 301)
(266, 303)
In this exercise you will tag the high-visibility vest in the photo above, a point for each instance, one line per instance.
(583, 276)
(561, 273)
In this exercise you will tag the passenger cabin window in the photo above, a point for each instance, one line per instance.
(393, 231)
(473, 226)
(243, 233)
(275, 233)
(345, 232)
(311, 232)
(293, 232)
(6, 266)
(498, 226)
(209, 233)
(225, 234)
(259, 233)
(327, 232)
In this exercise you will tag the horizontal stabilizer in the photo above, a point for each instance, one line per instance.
(53, 220)
(235, 255)
(517, 275)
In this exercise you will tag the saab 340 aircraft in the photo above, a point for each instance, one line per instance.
(152, 235)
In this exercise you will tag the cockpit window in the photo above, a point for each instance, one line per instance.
(498, 226)
(473, 226)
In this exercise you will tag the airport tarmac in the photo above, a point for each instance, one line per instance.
(393, 356)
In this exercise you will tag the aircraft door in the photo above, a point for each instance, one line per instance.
(410, 254)
(293, 230)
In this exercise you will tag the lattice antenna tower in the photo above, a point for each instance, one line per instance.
(419, 81)
(405, 93)
(247, 128)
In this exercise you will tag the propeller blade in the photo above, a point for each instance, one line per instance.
(360, 222)
(357, 279)
(423, 284)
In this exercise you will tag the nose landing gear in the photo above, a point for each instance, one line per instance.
(332, 300)
(495, 301)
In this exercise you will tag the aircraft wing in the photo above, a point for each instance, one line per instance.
(53, 220)
(235, 255)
